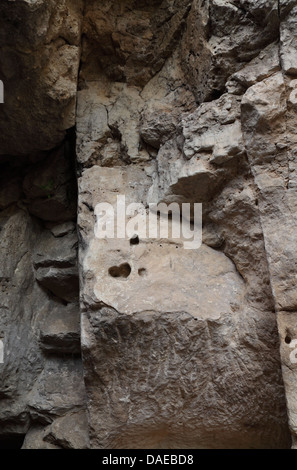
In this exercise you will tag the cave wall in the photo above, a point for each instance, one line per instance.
(164, 101)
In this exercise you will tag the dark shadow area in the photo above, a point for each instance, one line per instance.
(12, 441)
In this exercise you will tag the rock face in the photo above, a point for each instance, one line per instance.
(138, 342)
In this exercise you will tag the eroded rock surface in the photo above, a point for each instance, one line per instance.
(138, 342)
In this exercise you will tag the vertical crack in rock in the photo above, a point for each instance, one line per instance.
(272, 109)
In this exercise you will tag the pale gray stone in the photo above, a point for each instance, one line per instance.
(137, 342)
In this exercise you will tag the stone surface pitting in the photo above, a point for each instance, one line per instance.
(114, 344)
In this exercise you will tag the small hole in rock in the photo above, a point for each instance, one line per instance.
(142, 272)
(134, 240)
(123, 270)
(287, 339)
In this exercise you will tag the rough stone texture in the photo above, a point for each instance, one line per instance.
(41, 377)
(120, 343)
(40, 53)
(162, 344)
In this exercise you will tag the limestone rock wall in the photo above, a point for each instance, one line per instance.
(120, 343)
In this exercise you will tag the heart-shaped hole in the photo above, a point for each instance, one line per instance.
(122, 271)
